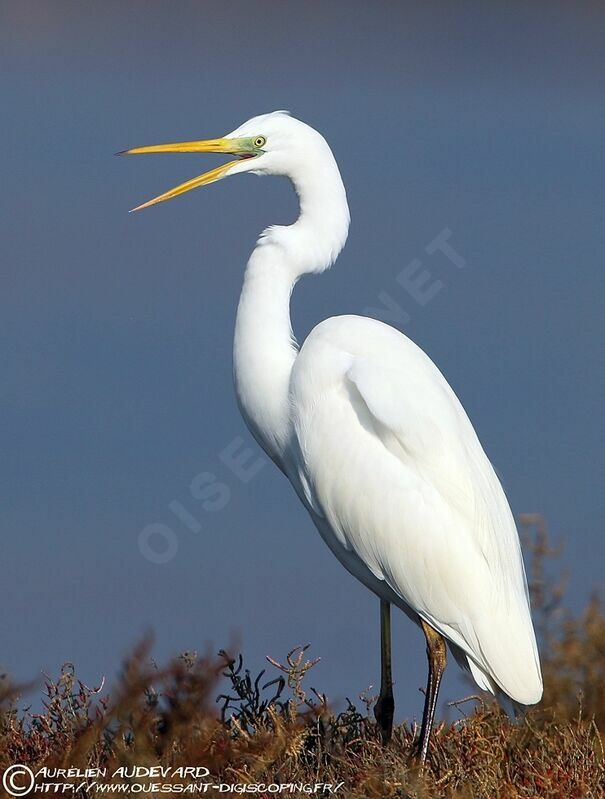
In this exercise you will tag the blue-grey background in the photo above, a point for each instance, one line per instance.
(116, 385)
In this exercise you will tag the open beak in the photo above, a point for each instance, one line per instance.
(239, 147)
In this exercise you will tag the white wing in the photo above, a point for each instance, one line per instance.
(386, 456)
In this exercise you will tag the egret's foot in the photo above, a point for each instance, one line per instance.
(384, 712)
(417, 755)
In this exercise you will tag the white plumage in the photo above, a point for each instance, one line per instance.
(377, 444)
(390, 465)
(370, 434)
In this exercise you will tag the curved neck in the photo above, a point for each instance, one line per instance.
(264, 348)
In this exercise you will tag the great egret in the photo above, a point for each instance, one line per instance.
(375, 442)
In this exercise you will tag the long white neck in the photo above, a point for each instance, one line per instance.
(264, 348)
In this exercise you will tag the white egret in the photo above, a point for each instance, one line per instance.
(373, 439)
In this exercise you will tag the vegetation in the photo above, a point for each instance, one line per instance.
(269, 730)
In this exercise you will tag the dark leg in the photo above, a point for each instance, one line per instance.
(385, 706)
(437, 655)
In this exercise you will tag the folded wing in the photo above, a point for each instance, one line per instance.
(390, 459)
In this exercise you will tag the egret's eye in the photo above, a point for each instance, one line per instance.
(259, 141)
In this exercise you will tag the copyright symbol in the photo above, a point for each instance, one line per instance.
(14, 787)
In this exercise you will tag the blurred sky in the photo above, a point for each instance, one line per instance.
(116, 389)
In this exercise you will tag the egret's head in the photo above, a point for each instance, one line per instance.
(270, 144)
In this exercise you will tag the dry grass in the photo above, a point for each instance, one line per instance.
(272, 730)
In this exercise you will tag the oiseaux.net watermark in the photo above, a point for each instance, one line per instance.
(209, 492)
(20, 780)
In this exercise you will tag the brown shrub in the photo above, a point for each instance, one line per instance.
(273, 731)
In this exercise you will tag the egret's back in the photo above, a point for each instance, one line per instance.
(391, 468)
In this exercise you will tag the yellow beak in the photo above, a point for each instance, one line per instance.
(238, 147)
